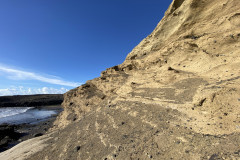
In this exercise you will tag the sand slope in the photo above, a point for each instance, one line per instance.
(25, 149)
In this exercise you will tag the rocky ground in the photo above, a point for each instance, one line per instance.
(176, 96)
(12, 134)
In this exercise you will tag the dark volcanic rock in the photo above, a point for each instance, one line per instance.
(8, 134)
(38, 135)
(31, 100)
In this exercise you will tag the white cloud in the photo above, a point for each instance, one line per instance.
(27, 91)
(16, 74)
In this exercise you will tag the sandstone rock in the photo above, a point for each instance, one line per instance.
(193, 33)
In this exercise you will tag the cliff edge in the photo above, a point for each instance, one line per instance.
(176, 96)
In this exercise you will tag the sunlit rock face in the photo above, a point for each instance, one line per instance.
(176, 96)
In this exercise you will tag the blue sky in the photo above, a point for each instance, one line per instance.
(51, 46)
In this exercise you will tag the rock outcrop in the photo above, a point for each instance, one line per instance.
(176, 96)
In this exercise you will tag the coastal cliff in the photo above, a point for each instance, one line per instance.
(176, 96)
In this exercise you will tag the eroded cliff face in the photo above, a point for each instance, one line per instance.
(176, 96)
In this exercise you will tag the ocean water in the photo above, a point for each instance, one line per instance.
(11, 111)
(18, 115)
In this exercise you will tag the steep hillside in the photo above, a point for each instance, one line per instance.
(176, 96)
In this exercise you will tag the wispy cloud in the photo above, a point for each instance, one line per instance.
(28, 91)
(16, 74)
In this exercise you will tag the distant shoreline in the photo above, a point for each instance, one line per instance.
(31, 100)
(12, 134)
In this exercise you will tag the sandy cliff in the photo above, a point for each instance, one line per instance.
(176, 96)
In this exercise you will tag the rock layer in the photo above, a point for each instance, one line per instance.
(176, 96)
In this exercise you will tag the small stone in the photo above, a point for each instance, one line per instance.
(225, 114)
(125, 136)
(77, 148)
(213, 157)
(120, 148)
(38, 135)
(194, 37)
(176, 71)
